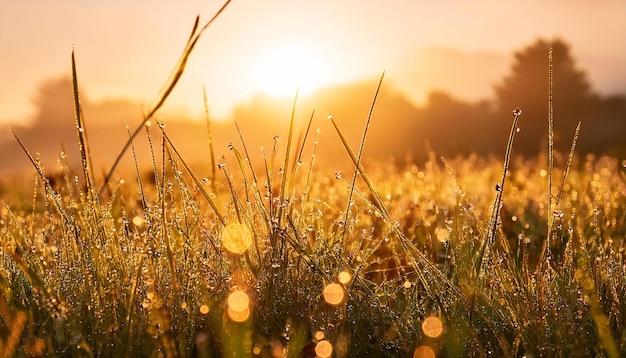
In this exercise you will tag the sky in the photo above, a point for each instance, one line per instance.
(127, 49)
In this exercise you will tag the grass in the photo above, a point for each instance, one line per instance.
(285, 258)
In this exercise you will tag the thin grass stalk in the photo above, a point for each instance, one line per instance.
(545, 249)
(378, 203)
(495, 211)
(242, 168)
(167, 88)
(209, 140)
(550, 149)
(264, 211)
(255, 180)
(144, 203)
(307, 186)
(83, 144)
(570, 158)
(237, 202)
(360, 155)
(297, 161)
(48, 187)
(161, 199)
(233, 194)
(284, 178)
(194, 177)
(497, 205)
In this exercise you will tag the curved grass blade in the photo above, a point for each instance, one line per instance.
(167, 88)
(83, 143)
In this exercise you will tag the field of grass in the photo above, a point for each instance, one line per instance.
(453, 257)
(296, 260)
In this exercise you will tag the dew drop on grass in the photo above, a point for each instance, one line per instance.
(230, 146)
(338, 175)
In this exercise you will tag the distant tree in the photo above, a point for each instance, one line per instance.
(527, 86)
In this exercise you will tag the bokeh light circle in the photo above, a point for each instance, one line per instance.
(236, 238)
(333, 294)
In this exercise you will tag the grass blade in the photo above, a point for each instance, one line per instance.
(83, 144)
(195, 178)
(209, 139)
(167, 88)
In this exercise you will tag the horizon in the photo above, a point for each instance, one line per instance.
(331, 47)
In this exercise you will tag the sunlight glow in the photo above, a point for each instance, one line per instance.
(279, 70)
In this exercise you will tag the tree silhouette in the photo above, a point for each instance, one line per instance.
(527, 86)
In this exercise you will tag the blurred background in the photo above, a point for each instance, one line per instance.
(454, 71)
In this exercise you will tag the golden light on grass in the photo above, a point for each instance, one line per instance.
(204, 309)
(344, 277)
(324, 349)
(333, 294)
(432, 327)
(443, 235)
(423, 352)
(238, 306)
(236, 238)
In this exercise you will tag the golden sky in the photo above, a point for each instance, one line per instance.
(128, 48)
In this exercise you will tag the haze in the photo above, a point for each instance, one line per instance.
(126, 49)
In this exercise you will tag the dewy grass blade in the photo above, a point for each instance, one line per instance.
(495, 211)
(83, 144)
(360, 154)
(209, 139)
(378, 203)
(545, 249)
(195, 178)
(284, 178)
(569, 164)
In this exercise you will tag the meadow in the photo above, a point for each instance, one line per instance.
(452, 257)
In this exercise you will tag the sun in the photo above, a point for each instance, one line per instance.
(278, 71)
